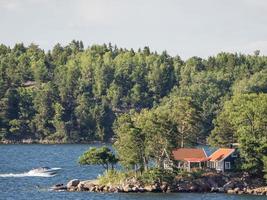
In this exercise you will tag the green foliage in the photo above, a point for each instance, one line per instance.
(197, 173)
(74, 94)
(99, 156)
(147, 135)
(157, 175)
(129, 143)
(112, 177)
(244, 118)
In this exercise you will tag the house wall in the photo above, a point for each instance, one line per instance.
(232, 160)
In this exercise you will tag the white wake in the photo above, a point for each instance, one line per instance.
(51, 172)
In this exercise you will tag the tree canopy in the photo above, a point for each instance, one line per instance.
(74, 93)
(99, 156)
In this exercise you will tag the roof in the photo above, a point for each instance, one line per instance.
(221, 154)
(196, 159)
(189, 154)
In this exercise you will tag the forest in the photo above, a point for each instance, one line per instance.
(77, 94)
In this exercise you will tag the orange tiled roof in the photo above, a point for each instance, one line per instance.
(189, 153)
(221, 154)
(196, 159)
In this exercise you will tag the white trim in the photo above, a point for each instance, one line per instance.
(228, 155)
(228, 166)
(205, 152)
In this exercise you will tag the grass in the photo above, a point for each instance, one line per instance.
(112, 177)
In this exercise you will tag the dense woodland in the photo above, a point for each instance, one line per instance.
(147, 101)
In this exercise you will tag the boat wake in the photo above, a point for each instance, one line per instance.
(38, 172)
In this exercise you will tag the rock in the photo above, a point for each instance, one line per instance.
(156, 188)
(164, 187)
(214, 189)
(135, 189)
(148, 188)
(229, 186)
(113, 190)
(141, 189)
(106, 189)
(230, 191)
(101, 188)
(237, 190)
(59, 187)
(88, 185)
(73, 183)
(240, 192)
(127, 188)
(249, 191)
(220, 190)
(193, 188)
(93, 189)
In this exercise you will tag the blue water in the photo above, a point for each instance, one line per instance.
(18, 159)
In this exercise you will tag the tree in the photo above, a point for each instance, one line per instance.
(129, 143)
(185, 117)
(244, 116)
(99, 156)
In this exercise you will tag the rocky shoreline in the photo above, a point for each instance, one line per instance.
(212, 183)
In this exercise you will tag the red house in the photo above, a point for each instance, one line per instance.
(223, 159)
(188, 158)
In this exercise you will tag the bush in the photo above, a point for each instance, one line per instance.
(157, 175)
(112, 177)
(197, 173)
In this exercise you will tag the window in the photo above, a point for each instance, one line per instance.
(234, 155)
(227, 165)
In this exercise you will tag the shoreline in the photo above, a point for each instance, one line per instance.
(76, 185)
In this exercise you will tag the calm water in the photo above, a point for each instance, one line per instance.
(15, 160)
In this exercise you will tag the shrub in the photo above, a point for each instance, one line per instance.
(157, 175)
(112, 177)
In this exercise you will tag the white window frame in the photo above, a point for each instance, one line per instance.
(227, 165)
(234, 155)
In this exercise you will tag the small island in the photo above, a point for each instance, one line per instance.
(204, 177)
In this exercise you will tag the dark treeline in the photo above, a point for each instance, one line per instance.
(73, 94)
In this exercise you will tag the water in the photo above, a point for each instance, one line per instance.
(17, 183)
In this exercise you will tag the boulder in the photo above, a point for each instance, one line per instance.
(220, 190)
(73, 183)
(141, 189)
(229, 186)
(59, 187)
(106, 189)
(237, 190)
(193, 188)
(214, 189)
(127, 188)
(85, 186)
(101, 188)
(148, 188)
(230, 191)
(240, 192)
(249, 191)
(164, 187)
(114, 189)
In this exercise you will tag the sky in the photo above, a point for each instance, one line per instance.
(182, 27)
